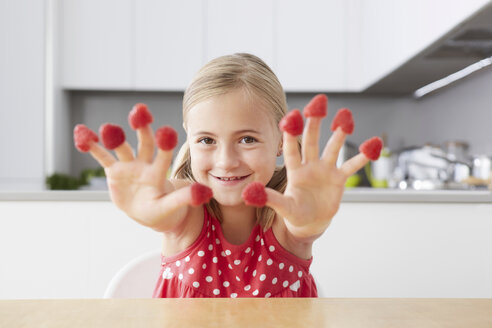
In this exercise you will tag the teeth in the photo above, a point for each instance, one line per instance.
(230, 179)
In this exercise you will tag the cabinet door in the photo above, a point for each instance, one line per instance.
(97, 44)
(240, 26)
(22, 83)
(311, 45)
(169, 43)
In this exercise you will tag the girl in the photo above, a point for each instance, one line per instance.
(231, 114)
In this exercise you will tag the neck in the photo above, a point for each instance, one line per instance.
(238, 222)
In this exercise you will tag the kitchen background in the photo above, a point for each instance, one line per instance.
(68, 62)
(64, 62)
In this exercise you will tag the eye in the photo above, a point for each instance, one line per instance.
(248, 140)
(206, 141)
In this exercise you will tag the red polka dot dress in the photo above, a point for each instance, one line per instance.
(212, 267)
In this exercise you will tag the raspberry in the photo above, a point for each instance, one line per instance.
(254, 194)
(166, 138)
(292, 123)
(317, 107)
(344, 119)
(371, 148)
(140, 116)
(83, 137)
(200, 194)
(112, 136)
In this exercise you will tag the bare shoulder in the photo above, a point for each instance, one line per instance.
(185, 234)
(287, 241)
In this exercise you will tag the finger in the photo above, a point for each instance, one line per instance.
(166, 138)
(333, 146)
(162, 163)
(310, 140)
(146, 144)
(280, 203)
(124, 152)
(354, 164)
(290, 148)
(101, 155)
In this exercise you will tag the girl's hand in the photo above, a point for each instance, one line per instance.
(315, 185)
(138, 185)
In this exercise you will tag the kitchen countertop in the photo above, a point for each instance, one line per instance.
(356, 195)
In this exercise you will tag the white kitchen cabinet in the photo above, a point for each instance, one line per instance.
(72, 249)
(168, 43)
(311, 45)
(240, 26)
(22, 94)
(97, 44)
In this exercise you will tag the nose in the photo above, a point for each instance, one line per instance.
(226, 157)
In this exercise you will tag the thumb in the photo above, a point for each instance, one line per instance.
(279, 202)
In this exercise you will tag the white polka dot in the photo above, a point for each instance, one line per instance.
(223, 254)
(226, 284)
(295, 286)
(259, 258)
(267, 295)
(281, 266)
(247, 287)
(230, 266)
(220, 272)
(271, 248)
(299, 274)
(180, 276)
(217, 241)
(257, 238)
(178, 263)
(213, 227)
(216, 291)
(262, 277)
(196, 284)
(269, 262)
(247, 250)
(286, 283)
(204, 266)
(201, 253)
(237, 278)
(210, 247)
(208, 234)
(291, 268)
(191, 271)
(255, 292)
(252, 253)
(209, 279)
(187, 259)
(233, 295)
(262, 242)
(214, 259)
(228, 252)
(254, 273)
(246, 270)
(167, 275)
(274, 281)
(237, 262)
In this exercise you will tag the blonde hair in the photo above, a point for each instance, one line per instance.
(220, 76)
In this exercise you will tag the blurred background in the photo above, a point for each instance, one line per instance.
(65, 62)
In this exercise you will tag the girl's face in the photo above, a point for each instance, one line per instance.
(232, 142)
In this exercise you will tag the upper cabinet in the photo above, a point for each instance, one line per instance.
(168, 43)
(240, 26)
(97, 44)
(312, 46)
